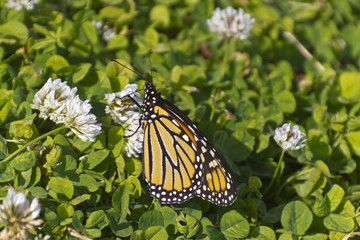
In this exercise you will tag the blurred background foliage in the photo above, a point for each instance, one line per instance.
(236, 91)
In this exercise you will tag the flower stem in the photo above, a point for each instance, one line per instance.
(12, 155)
(226, 57)
(275, 173)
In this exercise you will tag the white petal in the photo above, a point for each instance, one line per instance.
(20, 202)
(35, 208)
(8, 201)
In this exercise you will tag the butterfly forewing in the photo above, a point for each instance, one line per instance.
(169, 157)
(179, 162)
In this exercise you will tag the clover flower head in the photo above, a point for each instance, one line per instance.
(123, 111)
(289, 139)
(50, 99)
(119, 106)
(58, 102)
(229, 22)
(18, 5)
(134, 143)
(78, 118)
(108, 33)
(18, 215)
(104, 30)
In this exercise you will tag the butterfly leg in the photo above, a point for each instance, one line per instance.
(140, 119)
(132, 99)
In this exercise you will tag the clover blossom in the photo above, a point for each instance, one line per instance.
(119, 106)
(289, 138)
(57, 101)
(122, 110)
(78, 118)
(18, 5)
(104, 30)
(230, 22)
(18, 215)
(51, 98)
(134, 143)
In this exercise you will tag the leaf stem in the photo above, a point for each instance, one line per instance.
(275, 173)
(12, 155)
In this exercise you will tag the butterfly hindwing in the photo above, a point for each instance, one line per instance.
(217, 185)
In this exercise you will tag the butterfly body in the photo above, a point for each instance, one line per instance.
(178, 160)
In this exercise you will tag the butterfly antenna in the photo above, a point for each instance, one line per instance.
(127, 68)
(151, 75)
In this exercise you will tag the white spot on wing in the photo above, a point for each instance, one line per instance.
(203, 149)
(213, 164)
(193, 146)
(176, 123)
(185, 137)
(191, 129)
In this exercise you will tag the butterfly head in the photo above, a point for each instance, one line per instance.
(151, 98)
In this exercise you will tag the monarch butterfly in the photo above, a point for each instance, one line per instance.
(179, 162)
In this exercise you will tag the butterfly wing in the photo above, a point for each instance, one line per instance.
(217, 185)
(172, 168)
(179, 162)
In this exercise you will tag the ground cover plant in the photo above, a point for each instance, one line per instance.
(277, 93)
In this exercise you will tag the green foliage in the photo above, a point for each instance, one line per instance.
(236, 91)
(296, 217)
(233, 225)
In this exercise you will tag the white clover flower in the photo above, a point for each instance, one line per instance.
(230, 23)
(21, 4)
(134, 143)
(76, 115)
(120, 108)
(122, 111)
(57, 101)
(18, 215)
(108, 33)
(289, 138)
(50, 99)
(97, 24)
(14, 4)
(104, 30)
(29, 4)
